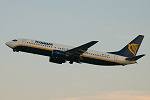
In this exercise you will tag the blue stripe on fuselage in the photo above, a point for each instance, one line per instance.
(48, 52)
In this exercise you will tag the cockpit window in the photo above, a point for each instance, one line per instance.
(14, 40)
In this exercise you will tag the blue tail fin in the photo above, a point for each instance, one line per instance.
(131, 49)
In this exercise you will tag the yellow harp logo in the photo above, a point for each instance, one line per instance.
(133, 48)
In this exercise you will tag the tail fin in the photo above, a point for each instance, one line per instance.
(131, 49)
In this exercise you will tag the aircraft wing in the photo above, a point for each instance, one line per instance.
(77, 51)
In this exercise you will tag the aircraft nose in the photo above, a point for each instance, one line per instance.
(9, 44)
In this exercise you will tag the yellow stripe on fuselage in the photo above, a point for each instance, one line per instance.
(33, 47)
(103, 59)
(80, 55)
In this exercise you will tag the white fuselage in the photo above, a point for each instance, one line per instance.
(52, 46)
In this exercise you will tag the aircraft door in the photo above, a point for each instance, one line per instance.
(115, 58)
(23, 41)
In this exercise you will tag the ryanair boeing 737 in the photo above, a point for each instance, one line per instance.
(60, 53)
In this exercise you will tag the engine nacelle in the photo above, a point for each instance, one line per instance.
(58, 57)
(58, 53)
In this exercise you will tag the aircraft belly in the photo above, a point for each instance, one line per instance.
(34, 50)
(98, 61)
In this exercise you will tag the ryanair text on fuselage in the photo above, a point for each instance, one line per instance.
(60, 53)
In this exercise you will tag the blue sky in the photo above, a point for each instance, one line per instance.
(114, 23)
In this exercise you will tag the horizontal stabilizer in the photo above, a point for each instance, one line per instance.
(135, 57)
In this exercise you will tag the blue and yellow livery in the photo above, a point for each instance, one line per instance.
(60, 53)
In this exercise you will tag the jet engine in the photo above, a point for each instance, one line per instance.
(58, 56)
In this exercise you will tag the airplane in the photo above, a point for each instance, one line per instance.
(61, 53)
